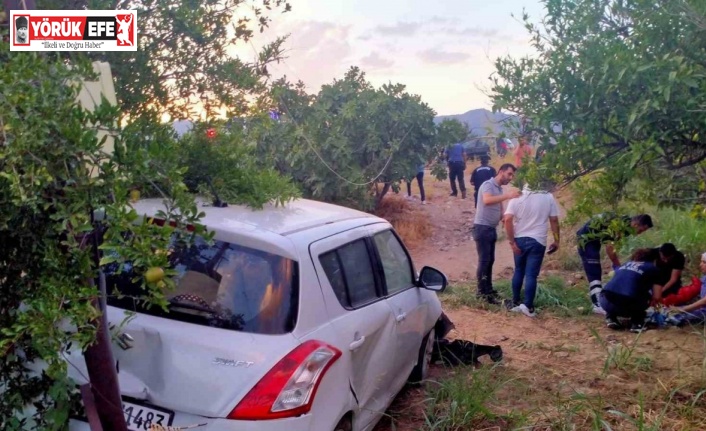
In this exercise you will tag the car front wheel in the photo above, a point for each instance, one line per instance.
(421, 371)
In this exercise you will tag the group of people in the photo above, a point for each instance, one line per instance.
(649, 283)
(650, 280)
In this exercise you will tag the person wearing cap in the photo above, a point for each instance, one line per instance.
(21, 30)
(481, 174)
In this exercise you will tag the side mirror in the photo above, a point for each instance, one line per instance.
(432, 279)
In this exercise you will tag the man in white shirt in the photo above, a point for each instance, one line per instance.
(527, 221)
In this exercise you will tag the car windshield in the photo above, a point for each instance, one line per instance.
(219, 284)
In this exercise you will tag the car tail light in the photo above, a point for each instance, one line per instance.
(288, 389)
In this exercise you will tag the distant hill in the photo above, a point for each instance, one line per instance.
(479, 121)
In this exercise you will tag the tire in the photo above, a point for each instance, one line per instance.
(344, 424)
(421, 371)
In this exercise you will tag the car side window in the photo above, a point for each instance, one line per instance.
(350, 272)
(395, 262)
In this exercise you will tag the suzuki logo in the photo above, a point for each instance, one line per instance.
(232, 363)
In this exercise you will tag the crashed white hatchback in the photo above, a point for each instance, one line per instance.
(308, 316)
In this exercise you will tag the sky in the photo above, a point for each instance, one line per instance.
(442, 50)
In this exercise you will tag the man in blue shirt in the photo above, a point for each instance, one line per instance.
(456, 158)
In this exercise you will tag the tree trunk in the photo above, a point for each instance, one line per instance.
(380, 194)
(102, 372)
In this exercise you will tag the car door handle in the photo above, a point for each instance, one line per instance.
(401, 317)
(357, 343)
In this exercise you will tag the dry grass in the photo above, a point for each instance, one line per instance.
(410, 221)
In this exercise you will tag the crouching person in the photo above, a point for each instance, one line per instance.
(630, 291)
(694, 313)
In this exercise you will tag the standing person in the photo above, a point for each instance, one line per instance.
(488, 215)
(629, 292)
(527, 220)
(523, 150)
(599, 230)
(456, 158)
(481, 174)
(420, 183)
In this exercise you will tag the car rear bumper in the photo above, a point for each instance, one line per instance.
(301, 423)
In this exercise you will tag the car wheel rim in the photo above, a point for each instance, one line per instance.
(427, 355)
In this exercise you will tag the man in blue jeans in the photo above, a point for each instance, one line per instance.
(526, 224)
(485, 223)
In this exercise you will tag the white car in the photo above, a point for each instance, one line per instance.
(308, 316)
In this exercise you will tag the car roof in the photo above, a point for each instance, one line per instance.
(294, 216)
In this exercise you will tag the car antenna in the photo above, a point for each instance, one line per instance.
(217, 202)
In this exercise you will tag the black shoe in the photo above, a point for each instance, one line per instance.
(463, 194)
(613, 323)
(637, 328)
(453, 194)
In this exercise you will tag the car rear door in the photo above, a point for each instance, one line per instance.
(359, 313)
(406, 301)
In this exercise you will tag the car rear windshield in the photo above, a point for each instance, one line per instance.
(219, 284)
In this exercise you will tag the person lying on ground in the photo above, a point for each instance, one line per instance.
(629, 292)
(605, 229)
(694, 313)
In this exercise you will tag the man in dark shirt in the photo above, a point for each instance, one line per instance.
(670, 264)
(599, 230)
(456, 158)
(629, 292)
(481, 174)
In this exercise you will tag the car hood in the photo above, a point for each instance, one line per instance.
(186, 367)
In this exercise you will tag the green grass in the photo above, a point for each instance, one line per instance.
(553, 296)
(677, 227)
(462, 400)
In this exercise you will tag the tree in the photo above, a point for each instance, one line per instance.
(351, 143)
(61, 194)
(182, 67)
(624, 81)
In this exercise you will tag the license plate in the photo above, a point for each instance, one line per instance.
(141, 418)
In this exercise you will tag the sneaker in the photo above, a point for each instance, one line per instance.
(613, 323)
(424, 202)
(453, 195)
(597, 309)
(409, 198)
(463, 194)
(522, 308)
(637, 328)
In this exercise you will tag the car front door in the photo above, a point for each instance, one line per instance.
(361, 317)
(406, 301)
